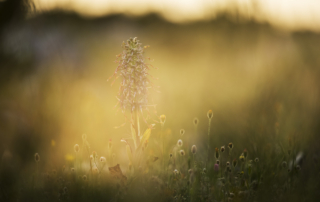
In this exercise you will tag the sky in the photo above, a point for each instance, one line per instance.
(284, 14)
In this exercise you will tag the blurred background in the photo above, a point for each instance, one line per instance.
(256, 64)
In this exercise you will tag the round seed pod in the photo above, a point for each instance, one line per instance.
(230, 145)
(228, 163)
(180, 143)
(194, 149)
(222, 149)
(103, 159)
(182, 153)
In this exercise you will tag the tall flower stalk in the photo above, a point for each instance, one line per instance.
(134, 86)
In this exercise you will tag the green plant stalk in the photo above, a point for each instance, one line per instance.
(162, 137)
(208, 141)
(133, 133)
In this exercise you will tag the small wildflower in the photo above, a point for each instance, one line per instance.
(182, 153)
(228, 163)
(162, 119)
(176, 172)
(37, 157)
(234, 162)
(182, 132)
(222, 149)
(76, 148)
(194, 149)
(256, 160)
(102, 159)
(84, 137)
(195, 121)
(284, 164)
(179, 143)
(218, 162)
(230, 145)
(217, 154)
(210, 114)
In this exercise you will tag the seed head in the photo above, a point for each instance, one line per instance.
(176, 172)
(194, 149)
(222, 149)
(76, 148)
(182, 153)
(256, 160)
(204, 170)
(37, 157)
(218, 162)
(195, 121)
(182, 132)
(190, 171)
(230, 145)
(102, 159)
(228, 163)
(210, 114)
(179, 143)
(162, 119)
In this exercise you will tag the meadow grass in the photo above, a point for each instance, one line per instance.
(185, 171)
